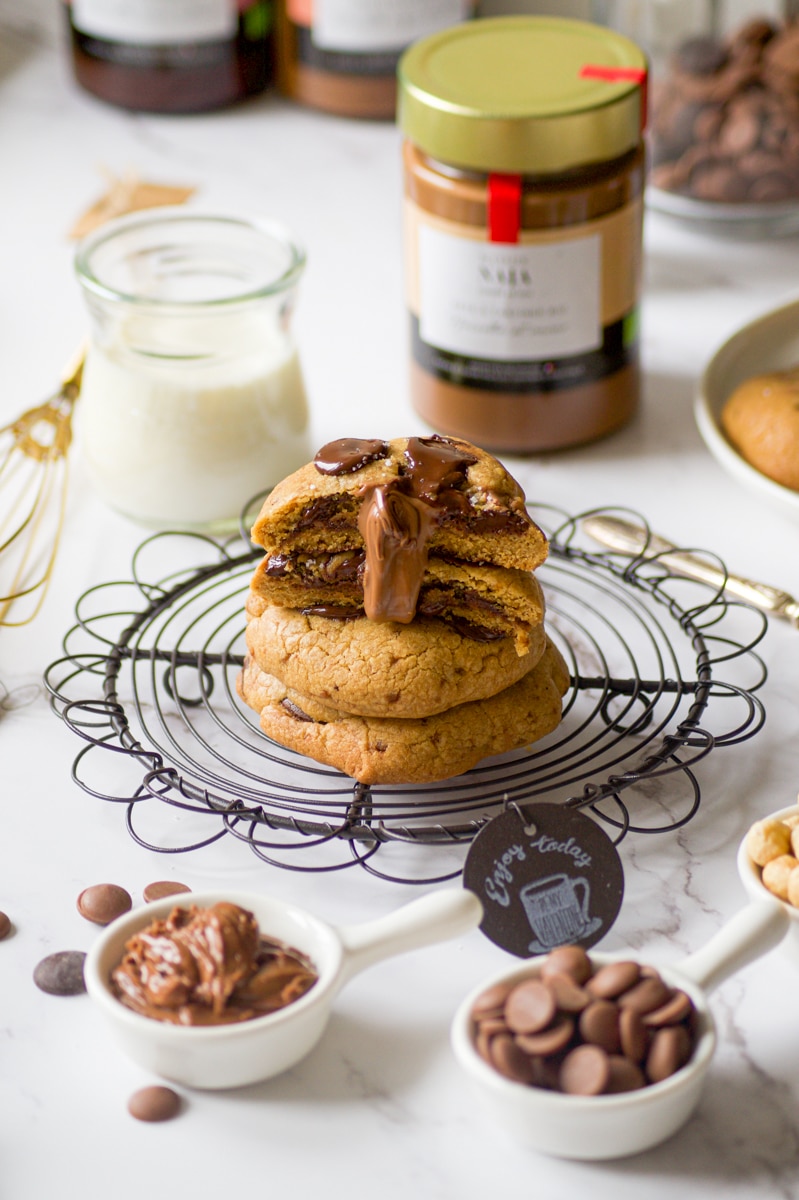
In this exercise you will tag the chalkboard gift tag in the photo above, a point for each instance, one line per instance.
(547, 876)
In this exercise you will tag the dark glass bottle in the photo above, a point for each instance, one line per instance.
(175, 58)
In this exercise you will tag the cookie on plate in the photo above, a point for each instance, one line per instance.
(385, 750)
(384, 669)
(761, 419)
(401, 502)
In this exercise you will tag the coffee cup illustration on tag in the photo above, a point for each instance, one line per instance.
(557, 909)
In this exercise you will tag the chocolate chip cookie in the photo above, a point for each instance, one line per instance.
(385, 750)
(384, 669)
(761, 419)
(481, 603)
(400, 503)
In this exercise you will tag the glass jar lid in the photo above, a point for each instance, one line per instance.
(529, 95)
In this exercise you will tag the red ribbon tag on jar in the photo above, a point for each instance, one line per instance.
(504, 208)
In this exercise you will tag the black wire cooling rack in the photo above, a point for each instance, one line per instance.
(663, 671)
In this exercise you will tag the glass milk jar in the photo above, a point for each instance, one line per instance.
(193, 398)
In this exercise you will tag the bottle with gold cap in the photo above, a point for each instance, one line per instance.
(524, 174)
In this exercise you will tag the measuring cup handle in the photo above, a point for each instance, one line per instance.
(753, 931)
(432, 918)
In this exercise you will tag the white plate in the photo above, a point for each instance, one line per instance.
(751, 220)
(770, 343)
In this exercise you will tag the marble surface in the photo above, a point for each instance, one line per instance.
(379, 1105)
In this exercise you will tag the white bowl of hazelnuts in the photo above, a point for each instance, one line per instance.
(768, 864)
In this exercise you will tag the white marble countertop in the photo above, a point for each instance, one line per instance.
(379, 1105)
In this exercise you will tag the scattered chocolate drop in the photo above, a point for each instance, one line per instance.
(164, 887)
(5, 925)
(61, 974)
(156, 1103)
(102, 903)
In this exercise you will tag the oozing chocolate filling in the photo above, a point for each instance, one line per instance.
(397, 519)
(346, 567)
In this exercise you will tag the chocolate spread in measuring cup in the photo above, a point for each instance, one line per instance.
(208, 967)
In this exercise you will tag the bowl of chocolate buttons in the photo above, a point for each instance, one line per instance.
(598, 1056)
(725, 130)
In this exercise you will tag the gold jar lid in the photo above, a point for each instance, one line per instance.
(527, 95)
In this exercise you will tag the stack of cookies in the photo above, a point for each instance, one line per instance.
(395, 627)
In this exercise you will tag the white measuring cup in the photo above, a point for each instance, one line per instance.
(750, 873)
(614, 1126)
(228, 1056)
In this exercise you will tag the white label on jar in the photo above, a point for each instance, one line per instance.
(509, 302)
(149, 22)
(382, 24)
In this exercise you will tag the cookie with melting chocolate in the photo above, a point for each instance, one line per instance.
(385, 750)
(383, 669)
(400, 504)
(482, 604)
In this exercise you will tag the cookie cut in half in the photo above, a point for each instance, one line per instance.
(483, 604)
(401, 503)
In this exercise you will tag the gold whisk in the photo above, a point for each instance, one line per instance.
(34, 468)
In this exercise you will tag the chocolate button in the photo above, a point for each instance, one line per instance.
(510, 1060)
(530, 1007)
(162, 888)
(625, 1076)
(103, 903)
(568, 960)
(491, 1026)
(154, 1104)
(599, 1025)
(491, 1002)
(482, 1042)
(700, 56)
(670, 1049)
(569, 996)
(678, 1008)
(585, 1071)
(61, 974)
(551, 1041)
(5, 925)
(613, 979)
(633, 1034)
(647, 995)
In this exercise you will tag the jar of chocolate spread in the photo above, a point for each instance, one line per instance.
(524, 176)
(175, 57)
(341, 55)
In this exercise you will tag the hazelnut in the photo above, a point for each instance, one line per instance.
(768, 839)
(776, 872)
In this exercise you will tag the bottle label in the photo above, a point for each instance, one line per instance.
(555, 310)
(152, 22)
(367, 37)
(364, 25)
(509, 302)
